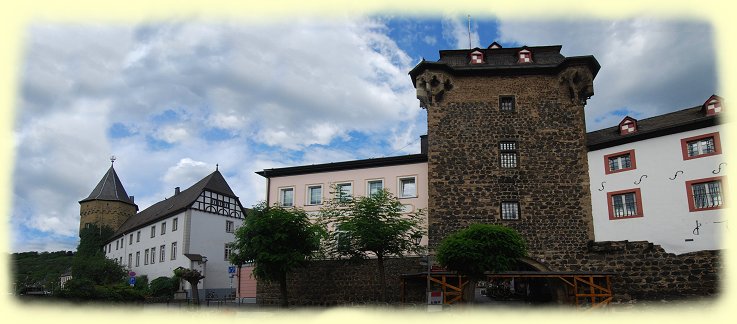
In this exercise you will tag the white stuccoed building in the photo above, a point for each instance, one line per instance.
(662, 179)
(191, 229)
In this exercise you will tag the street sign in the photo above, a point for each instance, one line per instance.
(132, 281)
(132, 274)
(231, 269)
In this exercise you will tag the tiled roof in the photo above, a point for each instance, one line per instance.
(670, 123)
(109, 188)
(504, 61)
(346, 165)
(176, 204)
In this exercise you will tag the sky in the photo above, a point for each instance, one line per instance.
(171, 99)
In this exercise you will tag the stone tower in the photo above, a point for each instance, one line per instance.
(108, 204)
(507, 144)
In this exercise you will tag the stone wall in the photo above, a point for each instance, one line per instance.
(339, 282)
(642, 271)
(551, 183)
(645, 271)
(105, 213)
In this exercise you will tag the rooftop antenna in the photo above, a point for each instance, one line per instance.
(469, 31)
(216, 166)
(112, 159)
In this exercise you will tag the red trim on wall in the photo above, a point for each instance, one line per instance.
(689, 193)
(717, 145)
(638, 203)
(633, 161)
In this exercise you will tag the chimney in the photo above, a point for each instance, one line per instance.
(133, 199)
(176, 191)
(423, 144)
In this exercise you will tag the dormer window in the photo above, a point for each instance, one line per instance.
(713, 106)
(494, 45)
(524, 56)
(477, 57)
(628, 125)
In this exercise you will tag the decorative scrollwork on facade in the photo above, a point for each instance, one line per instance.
(676, 175)
(642, 176)
(602, 186)
(720, 168)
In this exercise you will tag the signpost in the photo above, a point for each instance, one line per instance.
(132, 279)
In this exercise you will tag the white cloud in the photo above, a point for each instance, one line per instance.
(648, 66)
(455, 30)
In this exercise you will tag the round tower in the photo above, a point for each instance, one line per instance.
(108, 204)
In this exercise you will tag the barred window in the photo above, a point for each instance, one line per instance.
(508, 154)
(510, 210)
(625, 205)
(707, 194)
(619, 162)
(506, 103)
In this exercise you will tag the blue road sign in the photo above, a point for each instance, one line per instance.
(132, 281)
(231, 269)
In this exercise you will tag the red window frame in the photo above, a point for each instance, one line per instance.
(717, 145)
(689, 193)
(638, 203)
(633, 161)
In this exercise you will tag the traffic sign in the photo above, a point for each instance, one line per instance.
(132, 281)
(132, 274)
(231, 269)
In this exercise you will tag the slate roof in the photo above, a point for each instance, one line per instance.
(503, 61)
(346, 165)
(109, 188)
(178, 203)
(666, 124)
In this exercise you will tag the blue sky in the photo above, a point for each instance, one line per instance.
(173, 98)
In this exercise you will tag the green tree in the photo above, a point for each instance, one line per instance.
(277, 241)
(94, 275)
(90, 262)
(373, 226)
(164, 287)
(480, 248)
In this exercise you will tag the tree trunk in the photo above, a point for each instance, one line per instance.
(284, 301)
(469, 291)
(382, 277)
(195, 292)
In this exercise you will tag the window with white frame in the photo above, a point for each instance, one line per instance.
(625, 204)
(228, 250)
(174, 224)
(700, 146)
(314, 195)
(508, 154)
(229, 226)
(138, 258)
(153, 230)
(130, 260)
(407, 187)
(173, 250)
(510, 210)
(619, 162)
(146, 254)
(153, 255)
(162, 253)
(374, 186)
(138, 236)
(286, 197)
(163, 228)
(705, 194)
(343, 191)
(130, 239)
